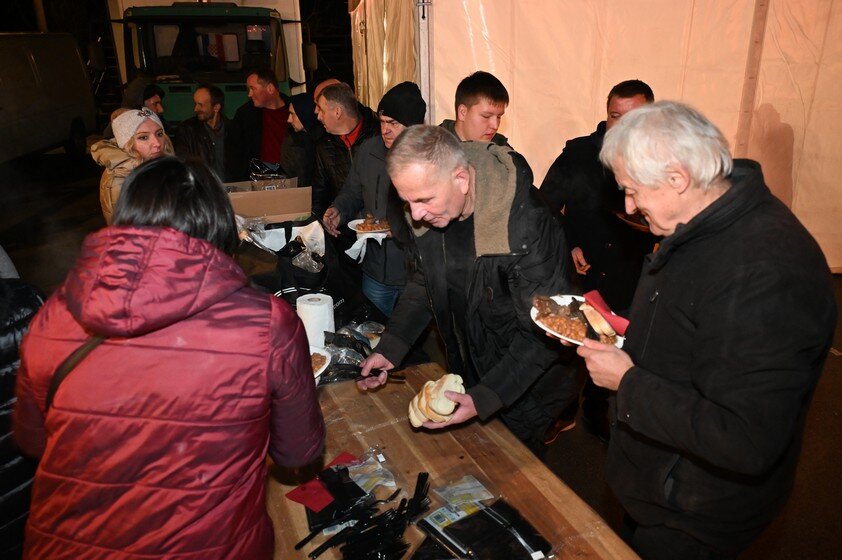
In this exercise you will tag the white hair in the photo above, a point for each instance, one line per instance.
(427, 145)
(654, 137)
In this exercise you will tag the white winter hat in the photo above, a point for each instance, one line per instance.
(127, 123)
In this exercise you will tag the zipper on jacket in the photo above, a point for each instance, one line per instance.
(653, 299)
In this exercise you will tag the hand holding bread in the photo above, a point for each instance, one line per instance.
(431, 404)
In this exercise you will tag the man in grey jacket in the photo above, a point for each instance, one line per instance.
(366, 191)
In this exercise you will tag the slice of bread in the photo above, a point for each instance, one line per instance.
(421, 407)
(416, 418)
(597, 321)
(440, 403)
(428, 396)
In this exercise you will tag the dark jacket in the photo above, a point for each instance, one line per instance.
(730, 326)
(586, 190)
(157, 440)
(450, 126)
(298, 154)
(243, 138)
(515, 262)
(193, 139)
(18, 303)
(367, 190)
(333, 161)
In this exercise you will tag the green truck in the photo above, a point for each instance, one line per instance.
(187, 43)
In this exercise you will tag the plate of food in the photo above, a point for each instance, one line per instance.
(570, 318)
(320, 359)
(370, 224)
(635, 221)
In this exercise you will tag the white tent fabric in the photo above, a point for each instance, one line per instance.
(559, 59)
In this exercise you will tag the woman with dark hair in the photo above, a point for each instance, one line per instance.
(155, 444)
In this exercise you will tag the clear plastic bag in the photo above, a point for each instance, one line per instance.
(305, 261)
(371, 472)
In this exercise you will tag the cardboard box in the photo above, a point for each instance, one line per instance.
(274, 206)
(263, 184)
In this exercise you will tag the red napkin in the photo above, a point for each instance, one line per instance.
(313, 493)
(619, 324)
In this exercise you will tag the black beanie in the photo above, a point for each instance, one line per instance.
(404, 104)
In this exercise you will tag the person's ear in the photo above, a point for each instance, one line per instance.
(678, 178)
(461, 112)
(462, 177)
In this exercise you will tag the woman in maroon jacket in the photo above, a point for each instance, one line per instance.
(155, 443)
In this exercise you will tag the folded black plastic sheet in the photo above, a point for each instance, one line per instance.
(497, 532)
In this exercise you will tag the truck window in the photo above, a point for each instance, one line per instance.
(206, 50)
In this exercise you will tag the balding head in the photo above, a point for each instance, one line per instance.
(322, 85)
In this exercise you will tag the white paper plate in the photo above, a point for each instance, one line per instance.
(353, 224)
(323, 352)
(565, 300)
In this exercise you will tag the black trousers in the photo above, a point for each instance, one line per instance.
(658, 542)
(531, 415)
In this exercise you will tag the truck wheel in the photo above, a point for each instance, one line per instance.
(77, 143)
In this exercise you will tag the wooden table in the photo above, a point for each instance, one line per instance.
(357, 421)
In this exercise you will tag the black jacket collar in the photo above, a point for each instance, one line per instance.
(747, 191)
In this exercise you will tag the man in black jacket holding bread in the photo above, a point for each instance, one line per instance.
(484, 245)
(731, 323)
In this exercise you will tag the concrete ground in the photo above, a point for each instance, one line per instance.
(48, 204)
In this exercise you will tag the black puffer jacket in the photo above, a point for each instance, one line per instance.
(514, 361)
(730, 326)
(333, 161)
(18, 304)
(367, 190)
(587, 191)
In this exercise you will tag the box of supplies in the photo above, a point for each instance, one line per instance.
(272, 206)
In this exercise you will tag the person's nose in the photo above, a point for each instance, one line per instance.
(631, 207)
(417, 212)
(495, 123)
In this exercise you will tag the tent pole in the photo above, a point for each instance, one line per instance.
(750, 80)
(425, 78)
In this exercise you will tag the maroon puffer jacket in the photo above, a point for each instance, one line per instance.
(155, 445)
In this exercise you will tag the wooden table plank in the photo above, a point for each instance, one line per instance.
(357, 422)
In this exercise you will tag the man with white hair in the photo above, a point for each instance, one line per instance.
(489, 245)
(731, 323)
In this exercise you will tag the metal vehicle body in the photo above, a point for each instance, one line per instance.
(187, 43)
(45, 95)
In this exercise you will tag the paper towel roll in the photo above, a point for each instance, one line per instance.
(316, 312)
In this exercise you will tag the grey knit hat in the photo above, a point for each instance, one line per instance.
(127, 123)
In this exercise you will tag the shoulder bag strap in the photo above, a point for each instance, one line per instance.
(64, 369)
